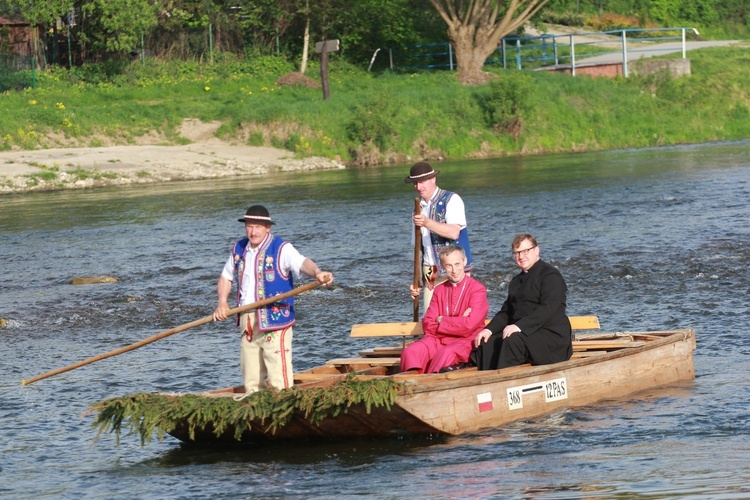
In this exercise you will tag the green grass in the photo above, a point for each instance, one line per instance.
(386, 117)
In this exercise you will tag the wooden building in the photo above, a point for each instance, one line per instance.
(21, 44)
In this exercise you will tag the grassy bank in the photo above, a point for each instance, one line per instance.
(371, 119)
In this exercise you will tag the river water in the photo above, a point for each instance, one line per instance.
(646, 239)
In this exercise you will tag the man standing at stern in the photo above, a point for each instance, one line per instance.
(264, 265)
(531, 326)
(456, 314)
(442, 222)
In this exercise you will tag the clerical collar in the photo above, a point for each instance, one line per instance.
(456, 284)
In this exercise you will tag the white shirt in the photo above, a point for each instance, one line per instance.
(454, 214)
(291, 260)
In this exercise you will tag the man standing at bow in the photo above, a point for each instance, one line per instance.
(264, 264)
(442, 222)
(456, 314)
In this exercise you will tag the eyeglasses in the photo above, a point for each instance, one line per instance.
(524, 252)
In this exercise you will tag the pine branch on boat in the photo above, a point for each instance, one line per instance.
(147, 414)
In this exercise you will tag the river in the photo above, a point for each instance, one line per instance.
(646, 239)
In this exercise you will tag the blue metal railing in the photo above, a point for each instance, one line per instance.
(539, 51)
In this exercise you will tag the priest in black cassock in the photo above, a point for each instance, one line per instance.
(531, 326)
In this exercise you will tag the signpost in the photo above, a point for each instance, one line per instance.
(323, 48)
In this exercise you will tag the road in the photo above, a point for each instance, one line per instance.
(637, 48)
(640, 50)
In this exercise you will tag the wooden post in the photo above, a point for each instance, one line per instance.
(323, 48)
(324, 71)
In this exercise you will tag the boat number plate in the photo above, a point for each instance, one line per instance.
(554, 390)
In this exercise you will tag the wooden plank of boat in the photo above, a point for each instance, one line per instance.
(414, 329)
(584, 345)
(379, 352)
(586, 354)
(604, 344)
(373, 361)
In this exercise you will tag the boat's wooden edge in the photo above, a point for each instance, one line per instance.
(442, 381)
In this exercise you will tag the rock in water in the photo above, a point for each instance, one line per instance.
(87, 280)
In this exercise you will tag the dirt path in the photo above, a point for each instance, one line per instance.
(205, 158)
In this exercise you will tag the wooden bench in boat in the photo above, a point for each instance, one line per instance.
(391, 356)
(411, 329)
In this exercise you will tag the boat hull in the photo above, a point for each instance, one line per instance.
(467, 400)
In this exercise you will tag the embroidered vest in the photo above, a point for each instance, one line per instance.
(270, 280)
(437, 213)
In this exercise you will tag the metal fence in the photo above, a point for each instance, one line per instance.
(544, 51)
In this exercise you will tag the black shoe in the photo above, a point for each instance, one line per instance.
(452, 368)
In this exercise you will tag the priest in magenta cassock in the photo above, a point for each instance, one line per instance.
(456, 314)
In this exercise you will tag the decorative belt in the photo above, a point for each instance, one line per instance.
(430, 274)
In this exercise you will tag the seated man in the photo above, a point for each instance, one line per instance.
(532, 326)
(456, 314)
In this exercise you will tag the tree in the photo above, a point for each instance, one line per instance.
(476, 26)
(366, 25)
(40, 11)
(116, 26)
(305, 38)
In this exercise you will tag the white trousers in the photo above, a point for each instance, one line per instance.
(265, 357)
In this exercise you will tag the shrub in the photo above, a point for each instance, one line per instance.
(611, 22)
(372, 122)
(565, 18)
(509, 97)
(17, 80)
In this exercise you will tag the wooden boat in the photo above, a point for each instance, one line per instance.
(604, 366)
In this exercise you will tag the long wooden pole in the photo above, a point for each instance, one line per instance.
(181, 328)
(417, 257)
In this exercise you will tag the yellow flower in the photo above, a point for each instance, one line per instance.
(60, 105)
(207, 88)
(32, 102)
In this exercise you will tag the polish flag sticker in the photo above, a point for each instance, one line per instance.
(484, 401)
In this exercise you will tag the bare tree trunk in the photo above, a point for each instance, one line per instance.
(306, 39)
(475, 28)
(471, 54)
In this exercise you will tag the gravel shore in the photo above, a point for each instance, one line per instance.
(206, 157)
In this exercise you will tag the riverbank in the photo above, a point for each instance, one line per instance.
(76, 135)
(206, 157)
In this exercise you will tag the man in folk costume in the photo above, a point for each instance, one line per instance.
(442, 222)
(456, 314)
(264, 266)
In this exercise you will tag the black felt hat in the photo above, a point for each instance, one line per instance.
(421, 171)
(257, 214)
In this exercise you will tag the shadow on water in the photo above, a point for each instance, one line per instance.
(344, 452)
